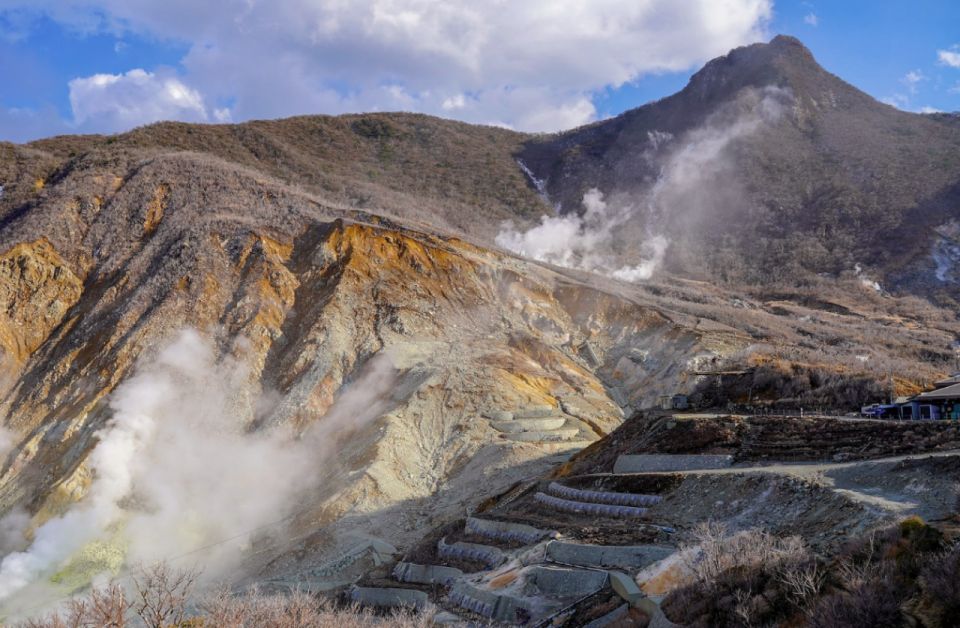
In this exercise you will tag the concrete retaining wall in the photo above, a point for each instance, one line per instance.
(640, 463)
(626, 557)
(494, 606)
(378, 550)
(603, 497)
(389, 598)
(486, 554)
(585, 508)
(626, 587)
(529, 425)
(425, 574)
(535, 437)
(534, 412)
(506, 531)
(563, 582)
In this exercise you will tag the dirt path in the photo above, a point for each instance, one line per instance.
(878, 484)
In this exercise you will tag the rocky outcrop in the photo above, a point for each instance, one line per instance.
(37, 289)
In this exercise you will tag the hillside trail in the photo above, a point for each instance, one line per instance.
(863, 481)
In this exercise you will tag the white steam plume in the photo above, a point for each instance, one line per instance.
(865, 280)
(176, 469)
(585, 241)
(685, 187)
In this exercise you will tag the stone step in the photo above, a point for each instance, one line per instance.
(386, 597)
(631, 558)
(529, 425)
(506, 531)
(425, 574)
(603, 497)
(490, 556)
(588, 508)
(562, 434)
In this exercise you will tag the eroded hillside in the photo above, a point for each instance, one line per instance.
(379, 367)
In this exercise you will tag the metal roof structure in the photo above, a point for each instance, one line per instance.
(948, 392)
(950, 381)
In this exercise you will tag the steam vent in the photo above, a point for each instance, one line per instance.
(530, 354)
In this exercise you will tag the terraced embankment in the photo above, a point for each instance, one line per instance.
(597, 548)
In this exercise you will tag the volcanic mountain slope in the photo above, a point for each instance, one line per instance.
(310, 253)
(116, 252)
(814, 176)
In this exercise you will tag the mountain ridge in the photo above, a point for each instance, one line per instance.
(835, 161)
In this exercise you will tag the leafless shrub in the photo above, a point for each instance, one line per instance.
(874, 603)
(744, 607)
(255, 609)
(105, 607)
(160, 598)
(296, 610)
(853, 574)
(161, 594)
(803, 581)
(940, 580)
(714, 550)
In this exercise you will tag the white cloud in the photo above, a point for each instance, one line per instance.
(454, 102)
(899, 101)
(531, 65)
(911, 79)
(950, 57)
(115, 101)
(928, 109)
(811, 19)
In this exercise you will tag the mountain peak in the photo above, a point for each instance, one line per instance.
(788, 43)
(784, 61)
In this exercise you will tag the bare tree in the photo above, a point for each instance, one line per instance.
(161, 594)
(108, 607)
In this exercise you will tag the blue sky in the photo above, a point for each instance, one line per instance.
(108, 65)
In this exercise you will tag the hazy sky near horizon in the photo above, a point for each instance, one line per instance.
(81, 66)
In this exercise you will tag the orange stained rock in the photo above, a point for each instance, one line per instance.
(156, 208)
(504, 579)
(37, 289)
